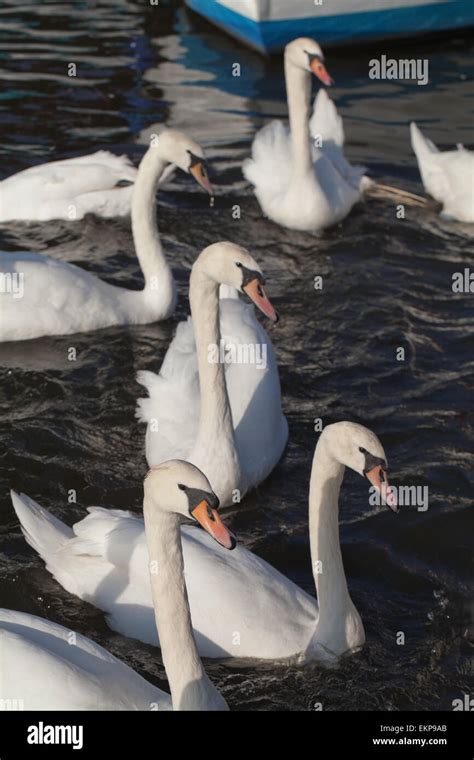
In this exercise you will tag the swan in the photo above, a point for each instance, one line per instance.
(301, 178)
(222, 410)
(299, 185)
(81, 675)
(251, 610)
(42, 296)
(100, 183)
(447, 176)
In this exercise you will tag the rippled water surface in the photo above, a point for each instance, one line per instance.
(387, 284)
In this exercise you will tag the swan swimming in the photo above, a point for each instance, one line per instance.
(447, 176)
(100, 183)
(253, 610)
(301, 177)
(58, 298)
(223, 416)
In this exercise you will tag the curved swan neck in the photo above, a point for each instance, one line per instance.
(189, 685)
(328, 570)
(216, 429)
(156, 271)
(298, 91)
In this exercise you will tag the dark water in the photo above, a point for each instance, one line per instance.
(387, 284)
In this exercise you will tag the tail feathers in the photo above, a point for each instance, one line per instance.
(422, 146)
(43, 532)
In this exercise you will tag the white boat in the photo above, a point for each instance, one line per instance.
(268, 25)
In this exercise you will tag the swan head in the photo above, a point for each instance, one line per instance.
(177, 148)
(306, 54)
(357, 447)
(229, 264)
(178, 487)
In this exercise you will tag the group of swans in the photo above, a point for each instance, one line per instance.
(152, 578)
(301, 177)
(224, 418)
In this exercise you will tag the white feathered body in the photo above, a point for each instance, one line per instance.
(172, 410)
(44, 666)
(447, 176)
(322, 196)
(69, 189)
(50, 297)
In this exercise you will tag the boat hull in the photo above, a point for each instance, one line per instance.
(265, 26)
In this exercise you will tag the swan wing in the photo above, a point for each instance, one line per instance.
(327, 133)
(69, 189)
(269, 168)
(172, 407)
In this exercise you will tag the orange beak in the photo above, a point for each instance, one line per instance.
(200, 175)
(256, 293)
(209, 519)
(319, 70)
(378, 477)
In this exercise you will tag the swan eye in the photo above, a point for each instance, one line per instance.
(238, 264)
(182, 487)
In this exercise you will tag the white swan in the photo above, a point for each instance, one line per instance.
(447, 176)
(100, 183)
(303, 183)
(251, 610)
(51, 668)
(43, 296)
(301, 178)
(219, 410)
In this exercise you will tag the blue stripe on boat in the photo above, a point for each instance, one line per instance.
(272, 36)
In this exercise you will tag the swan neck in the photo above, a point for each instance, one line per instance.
(298, 90)
(215, 423)
(156, 271)
(186, 675)
(328, 570)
